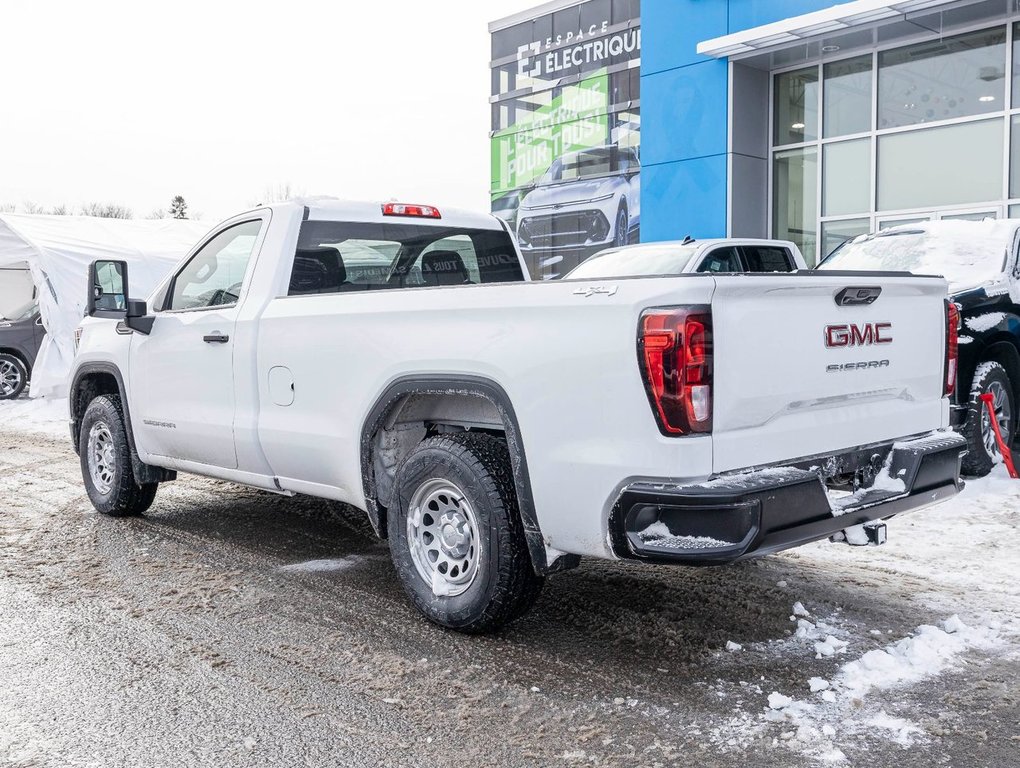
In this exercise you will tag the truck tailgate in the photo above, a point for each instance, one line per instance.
(799, 375)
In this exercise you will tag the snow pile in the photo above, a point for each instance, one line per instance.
(967, 253)
(45, 416)
(985, 322)
(925, 654)
(834, 708)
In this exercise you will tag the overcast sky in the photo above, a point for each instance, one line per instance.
(132, 102)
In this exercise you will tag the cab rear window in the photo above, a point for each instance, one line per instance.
(338, 257)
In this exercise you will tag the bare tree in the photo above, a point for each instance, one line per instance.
(278, 193)
(7, 207)
(159, 213)
(106, 210)
(60, 210)
(28, 206)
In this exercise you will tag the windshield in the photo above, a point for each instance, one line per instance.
(966, 253)
(25, 311)
(635, 262)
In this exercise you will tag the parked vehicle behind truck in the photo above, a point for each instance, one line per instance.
(497, 430)
(980, 261)
(20, 338)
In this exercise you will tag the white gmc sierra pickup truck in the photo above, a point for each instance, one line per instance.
(495, 430)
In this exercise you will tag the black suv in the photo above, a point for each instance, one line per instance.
(20, 338)
(979, 259)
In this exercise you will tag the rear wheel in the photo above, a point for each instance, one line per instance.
(982, 448)
(13, 376)
(456, 536)
(106, 461)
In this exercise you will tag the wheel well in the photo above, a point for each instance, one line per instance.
(413, 417)
(86, 389)
(19, 355)
(413, 409)
(1006, 355)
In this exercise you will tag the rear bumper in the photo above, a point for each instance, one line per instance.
(751, 514)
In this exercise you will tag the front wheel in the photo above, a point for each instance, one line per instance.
(622, 234)
(456, 536)
(106, 461)
(13, 376)
(982, 448)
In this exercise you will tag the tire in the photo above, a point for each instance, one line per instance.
(466, 480)
(982, 451)
(106, 461)
(622, 234)
(13, 376)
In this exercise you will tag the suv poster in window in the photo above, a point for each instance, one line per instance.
(566, 132)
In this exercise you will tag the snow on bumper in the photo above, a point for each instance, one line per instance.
(755, 513)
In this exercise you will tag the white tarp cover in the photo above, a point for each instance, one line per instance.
(59, 249)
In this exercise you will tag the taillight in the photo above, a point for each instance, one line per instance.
(952, 346)
(417, 211)
(675, 353)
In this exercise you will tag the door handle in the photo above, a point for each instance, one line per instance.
(216, 338)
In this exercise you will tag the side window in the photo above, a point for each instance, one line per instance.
(767, 258)
(450, 261)
(213, 276)
(721, 260)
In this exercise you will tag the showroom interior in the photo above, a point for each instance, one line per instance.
(804, 120)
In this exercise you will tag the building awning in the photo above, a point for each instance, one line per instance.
(826, 22)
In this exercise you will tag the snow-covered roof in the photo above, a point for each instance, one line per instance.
(59, 249)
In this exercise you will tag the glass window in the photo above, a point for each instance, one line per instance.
(846, 169)
(942, 79)
(213, 276)
(890, 223)
(721, 260)
(1014, 157)
(949, 165)
(767, 258)
(337, 256)
(847, 97)
(1014, 211)
(795, 198)
(835, 233)
(796, 106)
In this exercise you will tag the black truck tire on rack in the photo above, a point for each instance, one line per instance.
(982, 454)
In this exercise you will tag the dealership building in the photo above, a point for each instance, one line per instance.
(614, 120)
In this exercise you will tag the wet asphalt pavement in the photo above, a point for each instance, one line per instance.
(206, 633)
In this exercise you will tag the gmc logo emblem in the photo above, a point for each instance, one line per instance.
(858, 335)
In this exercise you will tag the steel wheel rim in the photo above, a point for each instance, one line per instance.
(442, 535)
(102, 457)
(10, 378)
(1003, 415)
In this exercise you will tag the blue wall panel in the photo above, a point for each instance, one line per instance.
(684, 198)
(688, 107)
(672, 29)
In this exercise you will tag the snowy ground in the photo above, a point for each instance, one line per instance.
(232, 627)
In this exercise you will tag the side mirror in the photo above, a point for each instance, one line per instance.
(108, 296)
(107, 291)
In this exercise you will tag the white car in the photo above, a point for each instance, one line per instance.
(586, 199)
(497, 430)
(717, 255)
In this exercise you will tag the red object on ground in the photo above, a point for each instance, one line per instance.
(1007, 455)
